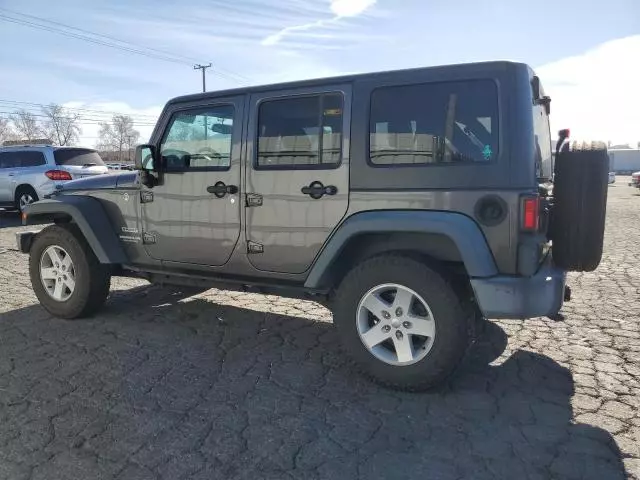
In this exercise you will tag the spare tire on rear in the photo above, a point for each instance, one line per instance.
(579, 208)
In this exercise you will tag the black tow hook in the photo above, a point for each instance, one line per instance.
(567, 293)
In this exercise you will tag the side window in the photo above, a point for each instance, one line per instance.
(449, 122)
(544, 163)
(301, 132)
(199, 139)
(9, 160)
(31, 159)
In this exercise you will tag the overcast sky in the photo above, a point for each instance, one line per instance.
(587, 52)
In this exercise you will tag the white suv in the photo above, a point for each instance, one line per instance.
(29, 172)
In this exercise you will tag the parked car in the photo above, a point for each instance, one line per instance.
(405, 201)
(612, 177)
(635, 180)
(30, 172)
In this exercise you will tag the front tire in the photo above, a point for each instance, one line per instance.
(401, 322)
(66, 276)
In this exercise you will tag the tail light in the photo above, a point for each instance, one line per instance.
(58, 175)
(530, 218)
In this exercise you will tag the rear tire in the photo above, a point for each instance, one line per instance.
(579, 210)
(25, 195)
(91, 279)
(424, 365)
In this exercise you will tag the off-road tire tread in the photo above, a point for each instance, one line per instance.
(452, 332)
(578, 216)
(93, 279)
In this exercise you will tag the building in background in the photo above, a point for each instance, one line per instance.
(624, 161)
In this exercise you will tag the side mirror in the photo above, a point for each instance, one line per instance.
(146, 159)
(147, 163)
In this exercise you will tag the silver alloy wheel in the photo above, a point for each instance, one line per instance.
(25, 199)
(57, 273)
(395, 324)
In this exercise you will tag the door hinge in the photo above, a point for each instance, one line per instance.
(254, 200)
(254, 247)
(146, 197)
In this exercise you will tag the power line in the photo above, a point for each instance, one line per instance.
(83, 120)
(88, 36)
(41, 19)
(30, 105)
(88, 39)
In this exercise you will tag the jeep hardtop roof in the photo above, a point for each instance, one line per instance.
(462, 70)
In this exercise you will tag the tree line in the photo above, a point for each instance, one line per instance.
(63, 127)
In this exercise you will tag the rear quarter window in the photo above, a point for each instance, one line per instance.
(77, 157)
(434, 123)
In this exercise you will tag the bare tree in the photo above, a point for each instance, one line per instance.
(6, 132)
(61, 125)
(26, 125)
(118, 136)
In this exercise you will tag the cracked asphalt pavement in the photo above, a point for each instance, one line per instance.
(238, 386)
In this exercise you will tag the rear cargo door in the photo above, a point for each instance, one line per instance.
(79, 162)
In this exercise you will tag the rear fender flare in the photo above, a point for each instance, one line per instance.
(462, 230)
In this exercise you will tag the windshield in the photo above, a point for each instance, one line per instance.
(77, 157)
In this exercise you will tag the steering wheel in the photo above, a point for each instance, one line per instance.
(209, 153)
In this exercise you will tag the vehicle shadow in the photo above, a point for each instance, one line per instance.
(183, 387)
(11, 218)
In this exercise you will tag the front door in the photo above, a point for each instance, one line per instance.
(194, 216)
(297, 185)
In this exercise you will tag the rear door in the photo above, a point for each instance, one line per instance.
(297, 183)
(25, 167)
(8, 164)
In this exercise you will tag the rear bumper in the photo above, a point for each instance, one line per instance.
(540, 295)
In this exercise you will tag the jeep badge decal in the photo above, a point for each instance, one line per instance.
(133, 236)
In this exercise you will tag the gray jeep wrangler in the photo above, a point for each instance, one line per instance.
(412, 203)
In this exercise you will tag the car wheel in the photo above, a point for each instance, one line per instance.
(401, 322)
(25, 196)
(66, 276)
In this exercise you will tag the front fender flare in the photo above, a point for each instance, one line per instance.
(462, 230)
(92, 220)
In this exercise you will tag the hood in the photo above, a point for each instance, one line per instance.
(113, 180)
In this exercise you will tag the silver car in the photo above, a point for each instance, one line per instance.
(28, 173)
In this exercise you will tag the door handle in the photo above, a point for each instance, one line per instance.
(317, 190)
(220, 189)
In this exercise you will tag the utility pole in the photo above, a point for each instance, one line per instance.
(203, 68)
